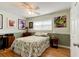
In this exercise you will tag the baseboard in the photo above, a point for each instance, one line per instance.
(64, 46)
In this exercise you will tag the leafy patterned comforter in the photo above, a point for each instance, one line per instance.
(31, 46)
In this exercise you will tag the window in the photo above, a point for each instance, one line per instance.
(43, 25)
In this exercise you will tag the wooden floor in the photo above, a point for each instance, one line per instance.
(8, 53)
(56, 52)
(50, 52)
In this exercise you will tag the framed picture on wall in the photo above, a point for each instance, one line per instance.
(1, 21)
(11, 23)
(30, 24)
(21, 24)
(60, 21)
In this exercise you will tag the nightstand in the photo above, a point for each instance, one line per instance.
(54, 42)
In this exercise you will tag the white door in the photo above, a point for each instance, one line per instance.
(74, 29)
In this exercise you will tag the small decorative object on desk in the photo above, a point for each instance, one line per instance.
(26, 29)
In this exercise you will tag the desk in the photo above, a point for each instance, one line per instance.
(6, 40)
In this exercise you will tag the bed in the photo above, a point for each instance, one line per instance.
(31, 46)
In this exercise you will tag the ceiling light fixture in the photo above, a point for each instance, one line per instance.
(30, 7)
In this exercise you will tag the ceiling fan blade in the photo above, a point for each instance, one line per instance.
(30, 6)
(27, 5)
(37, 13)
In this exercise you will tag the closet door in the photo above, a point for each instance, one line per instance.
(74, 29)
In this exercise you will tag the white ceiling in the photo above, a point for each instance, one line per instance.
(45, 8)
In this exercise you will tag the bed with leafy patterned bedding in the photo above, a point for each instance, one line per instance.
(31, 46)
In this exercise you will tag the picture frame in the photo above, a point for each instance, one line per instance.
(60, 21)
(1, 21)
(21, 24)
(30, 24)
(11, 23)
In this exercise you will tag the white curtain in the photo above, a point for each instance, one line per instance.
(43, 25)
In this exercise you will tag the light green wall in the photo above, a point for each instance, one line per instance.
(62, 33)
(51, 16)
(64, 39)
(6, 29)
(18, 35)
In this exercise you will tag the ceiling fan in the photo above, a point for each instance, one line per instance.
(30, 7)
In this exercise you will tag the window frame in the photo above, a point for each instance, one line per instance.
(42, 25)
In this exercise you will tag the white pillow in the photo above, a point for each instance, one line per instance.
(38, 33)
(41, 33)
